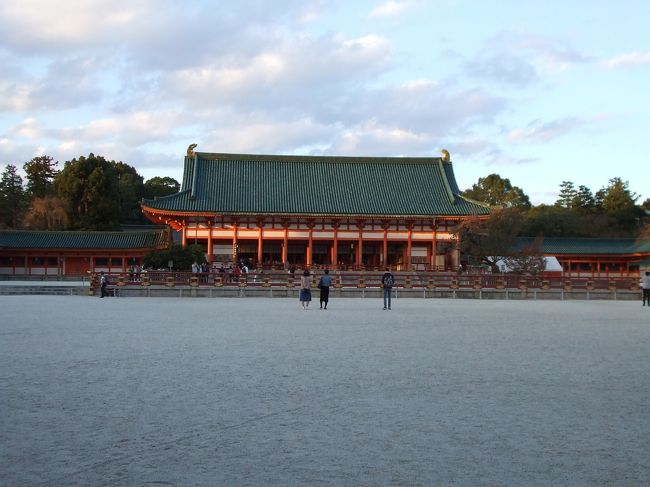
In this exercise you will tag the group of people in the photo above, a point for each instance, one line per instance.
(324, 283)
(200, 268)
(232, 274)
(135, 272)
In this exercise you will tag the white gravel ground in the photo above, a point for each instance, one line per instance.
(258, 392)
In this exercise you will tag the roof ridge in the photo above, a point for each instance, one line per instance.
(312, 158)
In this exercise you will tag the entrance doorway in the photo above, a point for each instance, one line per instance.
(272, 253)
(321, 254)
(297, 253)
(347, 253)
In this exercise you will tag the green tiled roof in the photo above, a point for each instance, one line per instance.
(264, 184)
(577, 246)
(151, 239)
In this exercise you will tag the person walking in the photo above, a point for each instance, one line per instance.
(305, 289)
(324, 285)
(645, 284)
(387, 282)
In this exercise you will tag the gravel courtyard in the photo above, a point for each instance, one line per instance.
(232, 391)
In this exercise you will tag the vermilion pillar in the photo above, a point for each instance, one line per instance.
(285, 244)
(384, 254)
(210, 245)
(310, 245)
(409, 245)
(259, 244)
(234, 243)
(335, 248)
(434, 249)
(360, 247)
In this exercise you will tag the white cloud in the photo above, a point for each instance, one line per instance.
(544, 132)
(373, 138)
(504, 67)
(519, 58)
(266, 135)
(630, 59)
(389, 9)
(28, 129)
(289, 76)
(44, 25)
(129, 130)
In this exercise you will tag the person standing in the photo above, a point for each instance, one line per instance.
(387, 282)
(645, 284)
(103, 281)
(305, 289)
(236, 272)
(324, 285)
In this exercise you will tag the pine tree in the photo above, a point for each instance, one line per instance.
(497, 191)
(12, 198)
(40, 172)
(584, 198)
(619, 205)
(567, 195)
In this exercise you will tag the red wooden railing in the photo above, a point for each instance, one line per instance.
(352, 279)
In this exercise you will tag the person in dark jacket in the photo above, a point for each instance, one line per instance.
(103, 280)
(645, 284)
(387, 282)
(324, 285)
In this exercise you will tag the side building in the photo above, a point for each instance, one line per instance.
(594, 257)
(339, 212)
(50, 254)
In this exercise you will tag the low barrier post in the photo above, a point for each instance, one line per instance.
(362, 282)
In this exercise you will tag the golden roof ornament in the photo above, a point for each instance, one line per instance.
(445, 155)
(190, 150)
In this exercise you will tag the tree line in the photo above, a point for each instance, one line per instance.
(93, 193)
(88, 193)
(610, 212)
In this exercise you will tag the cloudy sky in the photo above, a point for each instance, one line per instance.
(538, 92)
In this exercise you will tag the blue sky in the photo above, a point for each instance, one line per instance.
(538, 92)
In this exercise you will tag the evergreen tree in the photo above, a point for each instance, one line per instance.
(617, 196)
(584, 198)
(646, 204)
(497, 191)
(40, 173)
(180, 257)
(12, 198)
(90, 189)
(157, 187)
(619, 204)
(131, 190)
(567, 195)
(555, 221)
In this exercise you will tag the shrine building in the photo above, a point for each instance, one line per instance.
(339, 212)
(51, 254)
